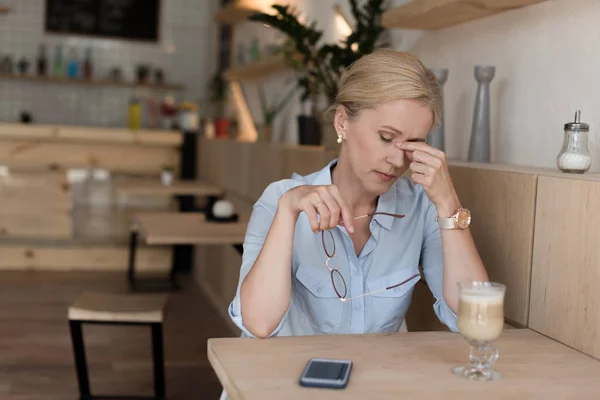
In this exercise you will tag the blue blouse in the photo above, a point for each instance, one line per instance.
(391, 255)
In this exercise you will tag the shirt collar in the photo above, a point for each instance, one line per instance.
(386, 202)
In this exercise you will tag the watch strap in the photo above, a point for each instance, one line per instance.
(446, 222)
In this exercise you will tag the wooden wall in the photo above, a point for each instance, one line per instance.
(537, 231)
(565, 289)
(47, 223)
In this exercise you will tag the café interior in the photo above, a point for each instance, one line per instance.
(137, 136)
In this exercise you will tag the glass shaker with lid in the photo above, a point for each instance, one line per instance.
(574, 157)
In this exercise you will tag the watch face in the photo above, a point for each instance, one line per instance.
(463, 219)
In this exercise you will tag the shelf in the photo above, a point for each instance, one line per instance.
(439, 14)
(96, 82)
(258, 69)
(235, 12)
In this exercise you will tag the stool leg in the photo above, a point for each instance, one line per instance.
(158, 359)
(80, 361)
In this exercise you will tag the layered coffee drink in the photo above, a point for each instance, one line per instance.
(481, 313)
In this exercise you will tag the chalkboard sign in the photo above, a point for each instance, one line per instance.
(126, 19)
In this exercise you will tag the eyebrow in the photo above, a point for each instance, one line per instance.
(397, 132)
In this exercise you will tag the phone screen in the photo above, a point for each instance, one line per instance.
(326, 370)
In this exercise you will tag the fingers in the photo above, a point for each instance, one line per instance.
(311, 212)
(331, 204)
(427, 159)
(422, 147)
(420, 168)
(325, 209)
(347, 215)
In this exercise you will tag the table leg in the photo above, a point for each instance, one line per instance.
(133, 239)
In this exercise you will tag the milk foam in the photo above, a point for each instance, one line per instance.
(482, 296)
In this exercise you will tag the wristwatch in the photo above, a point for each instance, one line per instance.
(461, 219)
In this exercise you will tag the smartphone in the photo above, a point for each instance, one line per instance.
(326, 373)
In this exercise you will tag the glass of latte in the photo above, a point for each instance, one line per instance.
(480, 322)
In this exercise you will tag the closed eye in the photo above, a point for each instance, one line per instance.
(386, 137)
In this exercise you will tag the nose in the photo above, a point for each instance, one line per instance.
(395, 157)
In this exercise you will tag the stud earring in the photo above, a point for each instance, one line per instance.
(339, 139)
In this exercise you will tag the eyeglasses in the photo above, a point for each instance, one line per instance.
(337, 280)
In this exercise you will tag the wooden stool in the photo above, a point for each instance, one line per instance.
(116, 309)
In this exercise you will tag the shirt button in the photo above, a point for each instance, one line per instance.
(319, 289)
(355, 273)
(397, 289)
(357, 307)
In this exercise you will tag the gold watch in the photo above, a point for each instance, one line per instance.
(461, 219)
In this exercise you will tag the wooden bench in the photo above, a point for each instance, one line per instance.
(172, 228)
(118, 309)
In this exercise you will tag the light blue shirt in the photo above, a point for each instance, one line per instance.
(391, 255)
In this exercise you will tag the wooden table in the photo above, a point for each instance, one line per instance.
(415, 365)
(173, 228)
(177, 188)
(185, 191)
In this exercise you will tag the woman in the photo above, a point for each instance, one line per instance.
(338, 251)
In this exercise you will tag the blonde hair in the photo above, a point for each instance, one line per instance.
(386, 75)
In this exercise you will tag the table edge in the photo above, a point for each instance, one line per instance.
(232, 391)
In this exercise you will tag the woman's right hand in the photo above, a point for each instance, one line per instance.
(324, 201)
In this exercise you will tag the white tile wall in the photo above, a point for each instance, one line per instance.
(186, 52)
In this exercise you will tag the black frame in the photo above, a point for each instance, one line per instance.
(75, 327)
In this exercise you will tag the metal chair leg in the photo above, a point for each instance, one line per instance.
(80, 361)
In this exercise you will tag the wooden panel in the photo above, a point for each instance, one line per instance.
(34, 193)
(72, 257)
(565, 287)
(503, 206)
(417, 365)
(302, 160)
(55, 225)
(265, 167)
(138, 159)
(438, 14)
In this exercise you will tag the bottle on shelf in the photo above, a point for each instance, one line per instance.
(58, 69)
(42, 61)
(87, 64)
(73, 66)
(135, 114)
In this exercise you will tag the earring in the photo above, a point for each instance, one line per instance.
(339, 139)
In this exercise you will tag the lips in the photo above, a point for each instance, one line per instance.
(385, 177)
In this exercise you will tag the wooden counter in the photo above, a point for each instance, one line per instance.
(119, 150)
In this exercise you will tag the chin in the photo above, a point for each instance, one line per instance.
(378, 188)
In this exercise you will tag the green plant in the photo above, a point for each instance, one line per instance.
(270, 111)
(168, 168)
(325, 63)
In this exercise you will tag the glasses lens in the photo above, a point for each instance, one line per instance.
(339, 284)
(328, 243)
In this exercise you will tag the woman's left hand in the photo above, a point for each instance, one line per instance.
(429, 169)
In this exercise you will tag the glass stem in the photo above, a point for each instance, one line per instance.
(482, 355)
